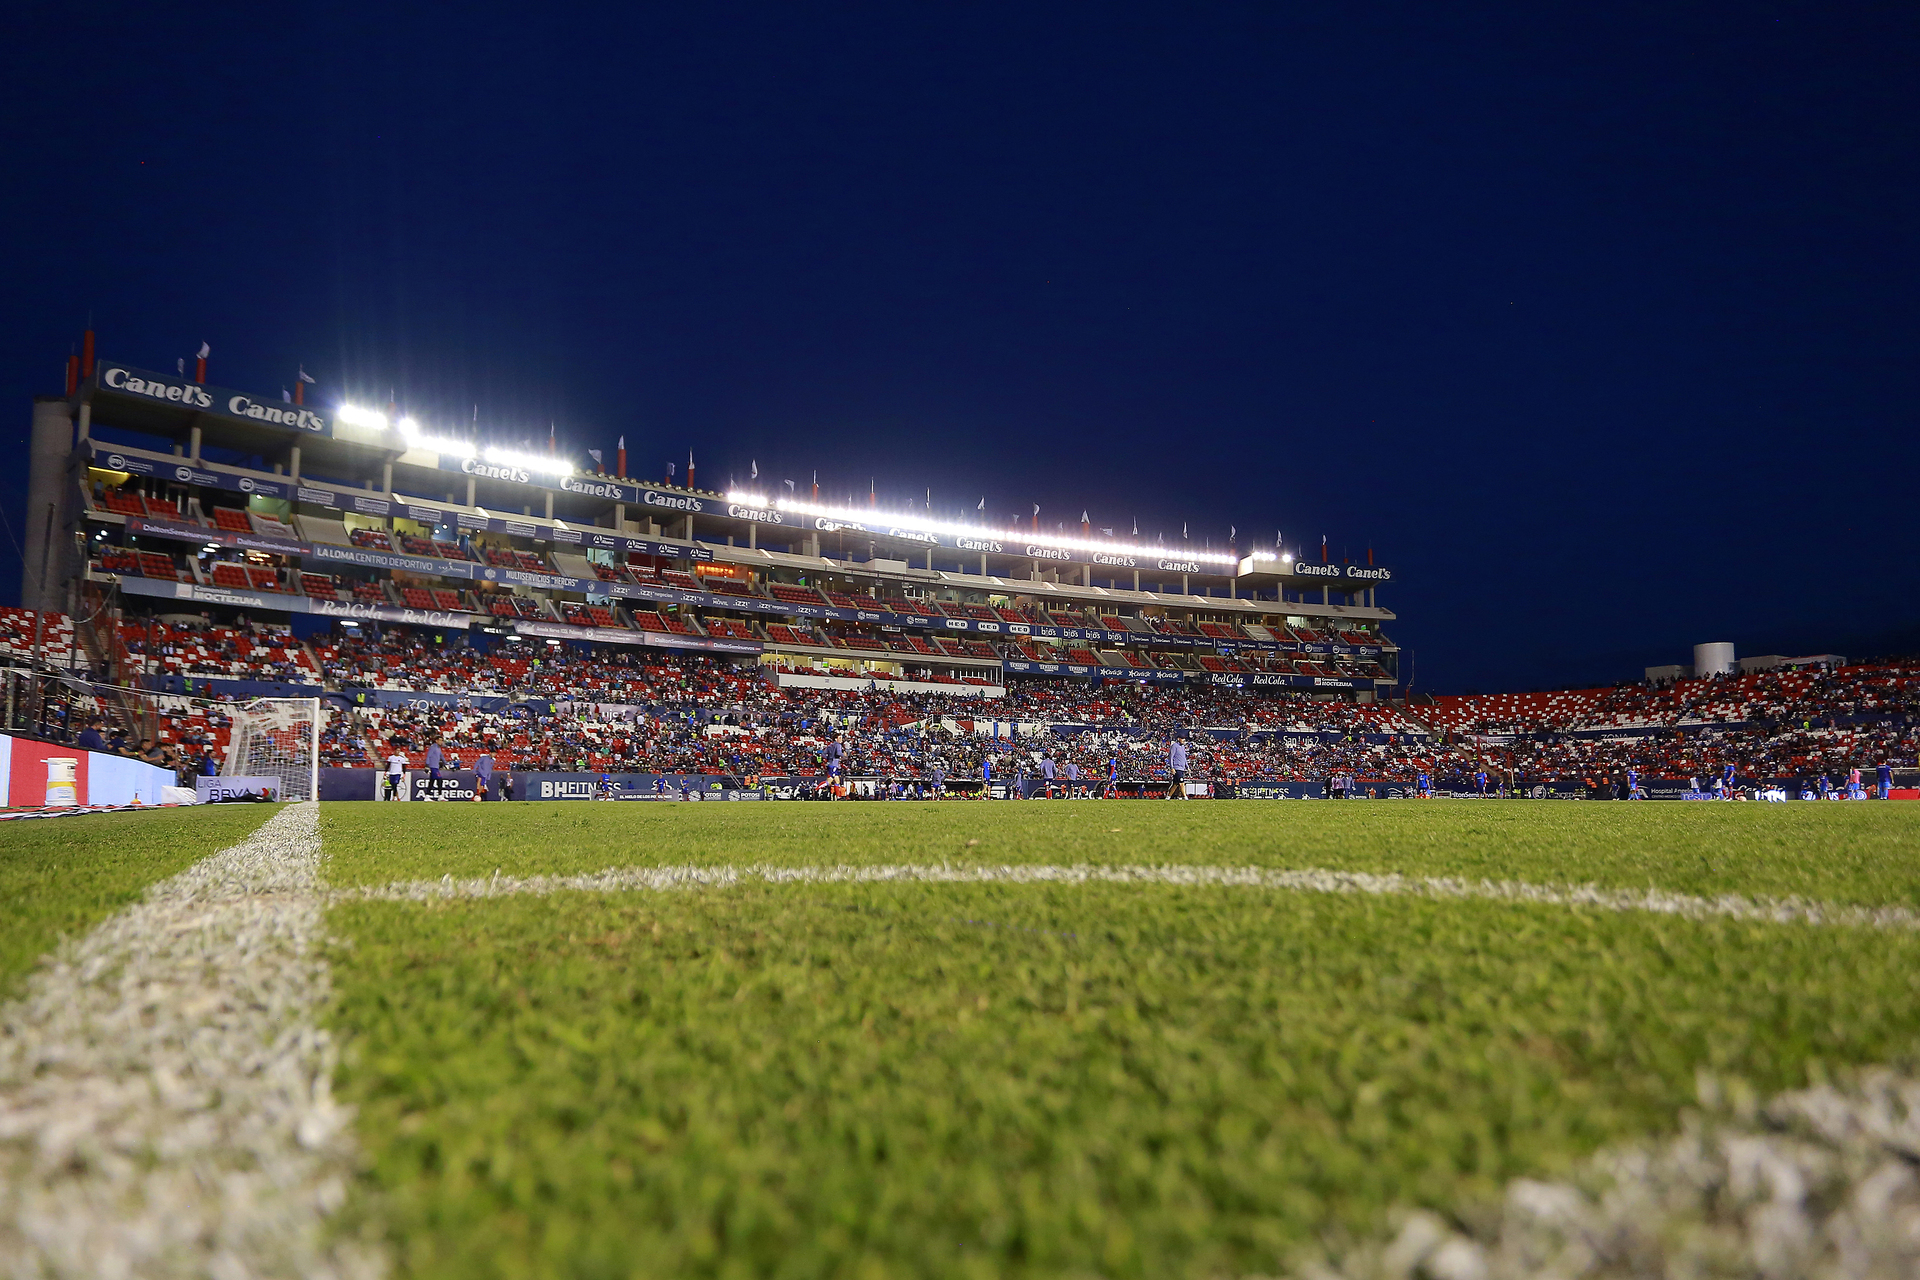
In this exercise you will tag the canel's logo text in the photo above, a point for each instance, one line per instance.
(914, 535)
(491, 471)
(1119, 562)
(1047, 553)
(979, 544)
(1369, 573)
(594, 488)
(825, 525)
(667, 500)
(280, 415)
(194, 397)
(760, 514)
(1179, 566)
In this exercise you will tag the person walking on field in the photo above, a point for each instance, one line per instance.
(482, 775)
(1177, 766)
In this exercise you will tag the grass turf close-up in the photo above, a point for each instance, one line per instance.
(807, 1069)
(990, 1079)
(1853, 853)
(61, 876)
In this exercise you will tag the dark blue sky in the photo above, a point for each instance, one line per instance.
(1598, 325)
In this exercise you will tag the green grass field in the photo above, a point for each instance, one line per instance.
(1017, 1075)
(871, 1079)
(61, 876)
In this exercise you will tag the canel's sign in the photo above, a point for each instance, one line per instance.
(1344, 572)
(126, 380)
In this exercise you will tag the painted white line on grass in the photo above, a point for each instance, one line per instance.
(1820, 1182)
(165, 1094)
(1312, 880)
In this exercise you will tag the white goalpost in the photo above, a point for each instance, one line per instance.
(278, 738)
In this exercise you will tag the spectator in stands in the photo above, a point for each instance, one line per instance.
(90, 739)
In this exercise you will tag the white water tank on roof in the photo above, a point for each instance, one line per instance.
(1714, 659)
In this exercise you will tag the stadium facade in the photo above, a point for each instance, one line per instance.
(157, 494)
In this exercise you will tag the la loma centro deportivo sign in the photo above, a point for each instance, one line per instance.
(124, 380)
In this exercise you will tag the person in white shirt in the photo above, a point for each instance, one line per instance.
(396, 774)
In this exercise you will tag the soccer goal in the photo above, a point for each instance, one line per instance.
(278, 738)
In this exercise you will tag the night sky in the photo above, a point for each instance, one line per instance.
(1598, 326)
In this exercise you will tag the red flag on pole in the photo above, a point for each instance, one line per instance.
(200, 364)
(620, 459)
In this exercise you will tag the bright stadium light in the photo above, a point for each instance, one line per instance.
(908, 520)
(355, 416)
(745, 499)
(417, 439)
(530, 462)
(1287, 558)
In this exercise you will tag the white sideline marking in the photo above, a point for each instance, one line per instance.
(165, 1093)
(1312, 880)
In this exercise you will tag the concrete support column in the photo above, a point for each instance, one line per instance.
(1086, 575)
(689, 533)
(44, 570)
(753, 535)
(620, 516)
(1136, 579)
(193, 443)
(293, 462)
(1183, 586)
(86, 420)
(983, 566)
(469, 491)
(549, 499)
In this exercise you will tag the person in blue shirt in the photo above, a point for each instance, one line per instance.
(986, 777)
(482, 774)
(1727, 781)
(1633, 785)
(90, 739)
(1113, 776)
(1480, 781)
(1073, 780)
(1885, 780)
(1424, 785)
(1047, 772)
(1177, 766)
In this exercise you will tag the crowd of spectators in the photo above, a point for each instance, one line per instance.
(627, 709)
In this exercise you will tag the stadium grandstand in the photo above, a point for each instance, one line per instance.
(202, 545)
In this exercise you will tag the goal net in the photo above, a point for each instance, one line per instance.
(278, 738)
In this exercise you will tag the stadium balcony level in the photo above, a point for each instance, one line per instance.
(275, 507)
(322, 500)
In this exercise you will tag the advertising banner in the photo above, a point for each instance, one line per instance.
(120, 380)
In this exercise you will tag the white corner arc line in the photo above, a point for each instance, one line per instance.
(1309, 880)
(165, 1090)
